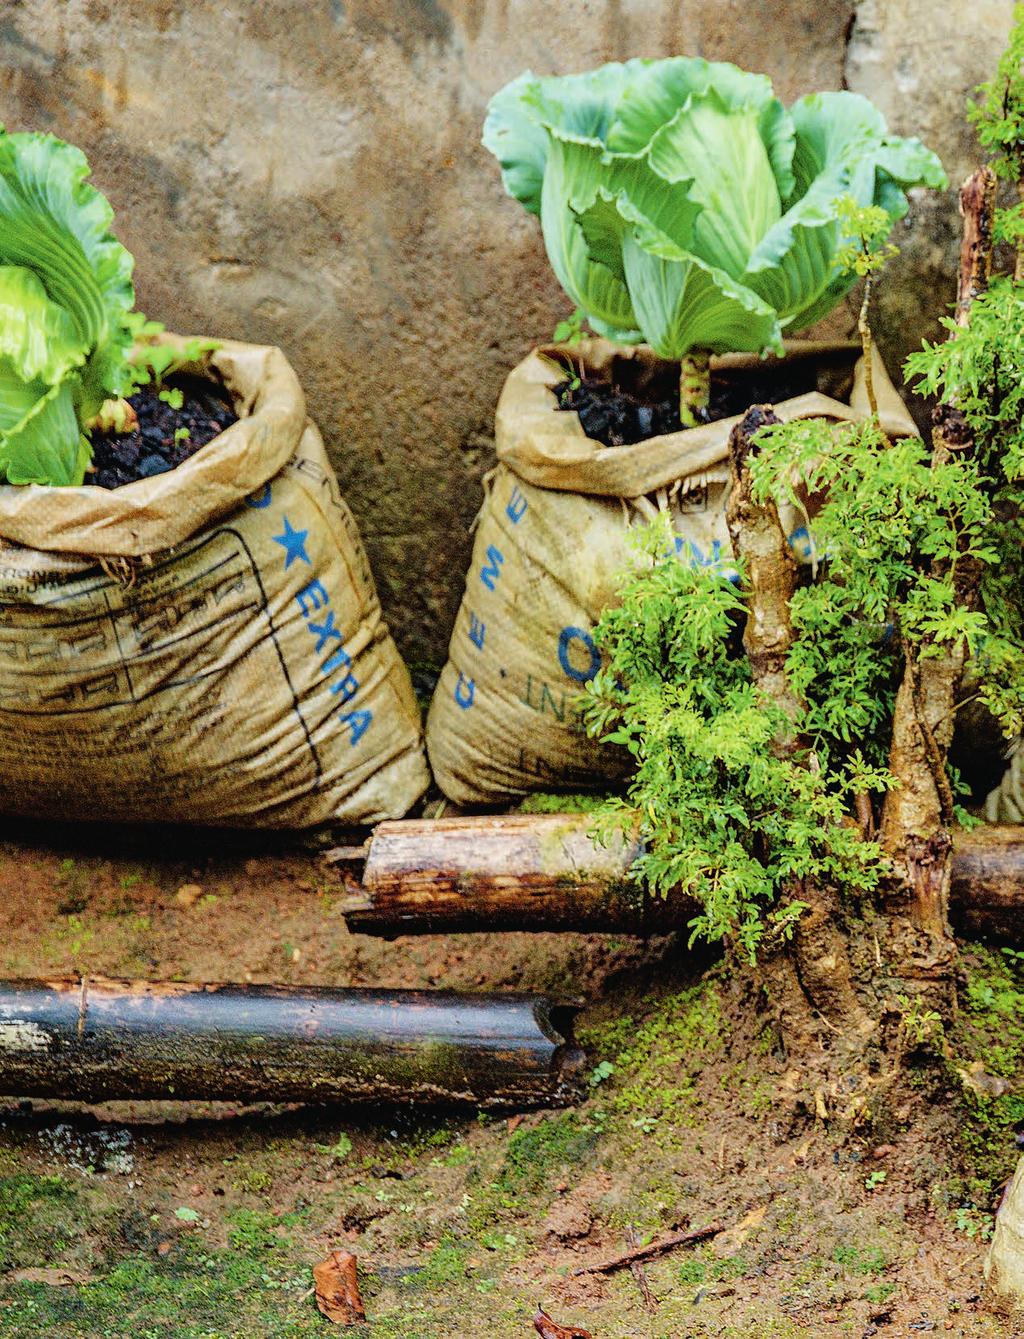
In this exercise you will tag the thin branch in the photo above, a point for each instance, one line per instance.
(977, 208)
(652, 1249)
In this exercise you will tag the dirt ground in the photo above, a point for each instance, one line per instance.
(160, 1221)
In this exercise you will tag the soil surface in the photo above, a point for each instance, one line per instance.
(166, 436)
(203, 1221)
(616, 416)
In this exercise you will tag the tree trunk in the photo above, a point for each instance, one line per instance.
(918, 811)
(809, 981)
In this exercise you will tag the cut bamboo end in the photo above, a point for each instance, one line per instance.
(90, 1040)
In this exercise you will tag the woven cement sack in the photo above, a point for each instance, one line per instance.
(1004, 1263)
(553, 539)
(1005, 804)
(206, 645)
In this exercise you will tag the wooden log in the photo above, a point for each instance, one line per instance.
(544, 872)
(987, 888)
(499, 872)
(90, 1040)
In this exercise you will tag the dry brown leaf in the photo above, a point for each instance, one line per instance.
(550, 1329)
(188, 895)
(337, 1289)
(732, 1240)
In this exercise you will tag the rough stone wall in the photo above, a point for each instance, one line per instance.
(308, 173)
(918, 61)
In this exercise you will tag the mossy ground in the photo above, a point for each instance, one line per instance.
(204, 1225)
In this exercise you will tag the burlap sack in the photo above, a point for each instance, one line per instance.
(552, 542)
(1005, 804)
(1004, 1263)
(206, 645)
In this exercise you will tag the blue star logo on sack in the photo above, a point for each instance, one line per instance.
(294, 544)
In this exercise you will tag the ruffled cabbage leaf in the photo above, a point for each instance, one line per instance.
(683, 204)
(65, 298)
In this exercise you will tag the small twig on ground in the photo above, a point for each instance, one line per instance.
(637, 1270)
(652, 1249)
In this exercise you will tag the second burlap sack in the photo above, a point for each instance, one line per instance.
(553, 541)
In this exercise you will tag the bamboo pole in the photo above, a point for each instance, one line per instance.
(544, 872)
(91, 1039)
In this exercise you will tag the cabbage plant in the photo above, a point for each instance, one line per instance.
(65, 302)
(682, 204)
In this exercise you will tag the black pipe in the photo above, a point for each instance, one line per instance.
(90, 1040)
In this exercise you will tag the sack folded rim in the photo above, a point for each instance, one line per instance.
(151, 515)
(551, 449)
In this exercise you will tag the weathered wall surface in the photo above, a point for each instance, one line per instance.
(308, 173)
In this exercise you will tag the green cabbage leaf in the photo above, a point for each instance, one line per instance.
(65, 298)
(682, 204)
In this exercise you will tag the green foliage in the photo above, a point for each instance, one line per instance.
(723, 817)
(728, 818)
(339, 1150)
(570, 331)
(922, 1026)
(65, 294)
(681, 203)
(865, 248)
(152, 360)
(66, 319)
(980, 368)
(998, 115)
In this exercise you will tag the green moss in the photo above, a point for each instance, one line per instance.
(534, 1154)
(188, 1295)
(562, 804)
(658, 1062)
(988, 1032)
(445, 1266)
(38, 1216)
(253, 1181)
(857, 1260)
(256, 1231)
(700, 1269)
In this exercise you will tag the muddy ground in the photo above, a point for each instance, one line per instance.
(168, 1222)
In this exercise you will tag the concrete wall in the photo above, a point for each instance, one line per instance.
(308, 173)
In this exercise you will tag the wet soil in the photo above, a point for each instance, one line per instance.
(195, 1220)
(620, 416)
(167, 434)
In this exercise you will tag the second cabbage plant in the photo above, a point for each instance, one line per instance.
(682, 204)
